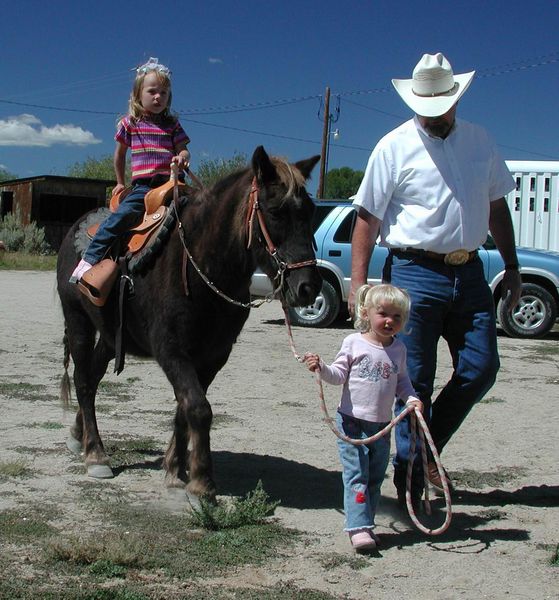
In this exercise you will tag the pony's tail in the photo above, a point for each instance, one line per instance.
(65, 385)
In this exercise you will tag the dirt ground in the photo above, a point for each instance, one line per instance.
(268, 426)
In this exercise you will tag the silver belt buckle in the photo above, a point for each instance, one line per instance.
(457, 258)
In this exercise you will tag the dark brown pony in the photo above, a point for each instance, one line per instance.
(191, 336)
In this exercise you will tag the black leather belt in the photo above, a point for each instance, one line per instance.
(453, 259)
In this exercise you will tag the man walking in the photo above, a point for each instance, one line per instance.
(432, 189)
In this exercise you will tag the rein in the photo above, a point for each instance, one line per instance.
(253, 210)
(417, 424)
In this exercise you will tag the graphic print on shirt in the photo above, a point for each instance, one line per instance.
(377, 370)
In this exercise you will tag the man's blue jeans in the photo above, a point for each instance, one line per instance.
(364, 468)
(128, 214)
(454, 303)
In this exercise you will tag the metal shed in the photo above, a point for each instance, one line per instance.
(53, 202)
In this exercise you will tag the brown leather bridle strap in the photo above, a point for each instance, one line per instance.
(254, 209)
(251, 210)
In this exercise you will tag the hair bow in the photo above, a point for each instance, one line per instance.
(153, 64)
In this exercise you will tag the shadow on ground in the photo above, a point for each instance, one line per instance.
(296, 484)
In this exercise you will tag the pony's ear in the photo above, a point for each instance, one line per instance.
(306, 166)
(262, 166)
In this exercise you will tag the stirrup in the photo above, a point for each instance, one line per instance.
(96, 283)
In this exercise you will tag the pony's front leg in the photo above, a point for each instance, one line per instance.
(193, 420)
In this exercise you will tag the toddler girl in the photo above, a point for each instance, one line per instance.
(156, 140)
(371, 365)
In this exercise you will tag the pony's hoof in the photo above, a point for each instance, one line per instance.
(172, 481)
(198, 490)
(100, 471)
(73, 445)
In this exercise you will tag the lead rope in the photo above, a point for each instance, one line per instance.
(417, 424)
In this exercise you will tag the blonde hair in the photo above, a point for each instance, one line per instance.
(371, 296)
(135, 108)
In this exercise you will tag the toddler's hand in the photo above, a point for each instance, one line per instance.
(117, 189)
(312, 361)
(180, 161)
(416, 403)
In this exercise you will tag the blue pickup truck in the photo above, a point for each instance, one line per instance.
(534, 316)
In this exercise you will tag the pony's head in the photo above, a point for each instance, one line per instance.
(280, 230)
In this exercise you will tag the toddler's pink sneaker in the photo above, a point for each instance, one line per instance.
(361, 540)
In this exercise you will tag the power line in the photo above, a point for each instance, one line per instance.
(523, 65)
(75, 110)
(274, 135)
(246, 107)
(382, 112)
(529, 63)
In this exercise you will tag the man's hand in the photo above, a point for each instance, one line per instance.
(511, 287)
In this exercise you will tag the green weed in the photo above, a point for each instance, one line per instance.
(14, 468)
(24, 391)
(251, 510)
(23, 527)
(130, 451)
(555, 558)
(491, 400)
(333, 560)
(545, 350)
(221, 419)
(48, 425)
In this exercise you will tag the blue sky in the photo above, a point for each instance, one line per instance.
(247, 73)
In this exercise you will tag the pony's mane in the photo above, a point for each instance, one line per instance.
(290, 176)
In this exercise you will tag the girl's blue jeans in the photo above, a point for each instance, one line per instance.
(454, 303)
(364, 468)
(128, 214)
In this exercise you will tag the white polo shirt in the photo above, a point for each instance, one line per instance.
(434, 194)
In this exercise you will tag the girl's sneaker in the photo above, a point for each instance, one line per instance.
(362, 540)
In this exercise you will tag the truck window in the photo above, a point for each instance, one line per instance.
(345, 230)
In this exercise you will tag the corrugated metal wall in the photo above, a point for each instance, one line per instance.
(534, 205)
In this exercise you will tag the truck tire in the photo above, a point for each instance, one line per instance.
(532, 317)
(321, 313)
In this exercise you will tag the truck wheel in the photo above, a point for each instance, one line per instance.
(320, 314)
(532, 317)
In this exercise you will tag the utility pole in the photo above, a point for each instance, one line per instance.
(325, 141)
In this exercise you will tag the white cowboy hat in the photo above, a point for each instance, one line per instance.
(434, 89)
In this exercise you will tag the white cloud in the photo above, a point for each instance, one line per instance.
(213, 60)
(27, 130)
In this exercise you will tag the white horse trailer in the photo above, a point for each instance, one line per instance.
(534, 204)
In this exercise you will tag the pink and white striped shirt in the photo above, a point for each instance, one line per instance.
(152, 142)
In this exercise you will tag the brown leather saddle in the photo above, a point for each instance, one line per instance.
(97, 282)
(155, 202)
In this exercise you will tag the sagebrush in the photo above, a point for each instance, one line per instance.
(22, 238)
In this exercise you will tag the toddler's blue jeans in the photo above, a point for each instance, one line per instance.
(364, 468)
